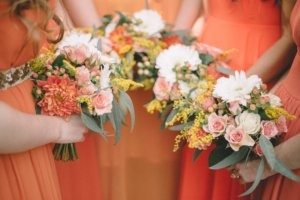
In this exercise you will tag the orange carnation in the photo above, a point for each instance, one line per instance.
(60, 95)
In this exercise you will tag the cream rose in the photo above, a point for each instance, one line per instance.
(250, 122)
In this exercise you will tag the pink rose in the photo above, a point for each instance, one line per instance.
(102, 102)
(234, 107)
(237, 137)
(76, 54)
(216, 125)
(162, 89)
(268, 129)
(258, 150)
(281, 124)
(82, 75)
(208, 103)
(88, 90)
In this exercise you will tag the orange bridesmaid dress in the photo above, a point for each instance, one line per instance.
(30, 174)
(278, 187)
(142, 165)
(167, 8)
(249, 26)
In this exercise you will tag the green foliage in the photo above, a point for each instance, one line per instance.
(227, 156)
(127, 105)
(206, 59)
(93, 123)
(59, 60)
(197, 153)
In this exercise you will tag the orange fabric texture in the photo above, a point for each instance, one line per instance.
(167, 8)
(279, 187)
(142, 165)
(31, 174)
(250, 27)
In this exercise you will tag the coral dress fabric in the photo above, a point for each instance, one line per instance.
(279, 187)
(142, 165)
(30, 174)
(80, 179)
(250, 27)
(167, 8)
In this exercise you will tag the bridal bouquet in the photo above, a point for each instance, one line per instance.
(76, 78)
(138, 39)
(184, 74)
(241, 119)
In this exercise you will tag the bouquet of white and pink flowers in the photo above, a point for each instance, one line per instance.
(75, 78)
(138, 39)
(241, 119)
(184, 74)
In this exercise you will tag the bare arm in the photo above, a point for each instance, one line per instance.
(82, 13)
(277, 59)
(189, 11)
(21, 131)
(287, 152)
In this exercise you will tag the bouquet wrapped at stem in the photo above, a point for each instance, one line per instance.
(74, 77)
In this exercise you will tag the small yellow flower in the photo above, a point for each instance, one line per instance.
(276, 112)
(87, 101)
(156, 105)
(125, 84)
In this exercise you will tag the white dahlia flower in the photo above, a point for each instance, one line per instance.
(236, 88)
(176, 55)
(149, 21)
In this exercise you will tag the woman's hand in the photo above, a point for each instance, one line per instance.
(246, 172)
(71, 131)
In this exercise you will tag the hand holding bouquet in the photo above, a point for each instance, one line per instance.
(75, 78)
(243, 122)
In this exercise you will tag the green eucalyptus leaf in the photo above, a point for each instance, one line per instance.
(93, 123)
(282, 169)
(268, 150)
(197, 153)
(205, 58)
(224, 70)
(126, 104)
(116, 117)
(260, 172)
(180, 126)
(171, 115)
(58, 60)
(231, 159)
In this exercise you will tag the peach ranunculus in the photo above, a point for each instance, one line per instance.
(60, 95)
(268, 129)
(162, 89)
(216, 125)
(102, 102)
(82, 75)
(237, 137)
